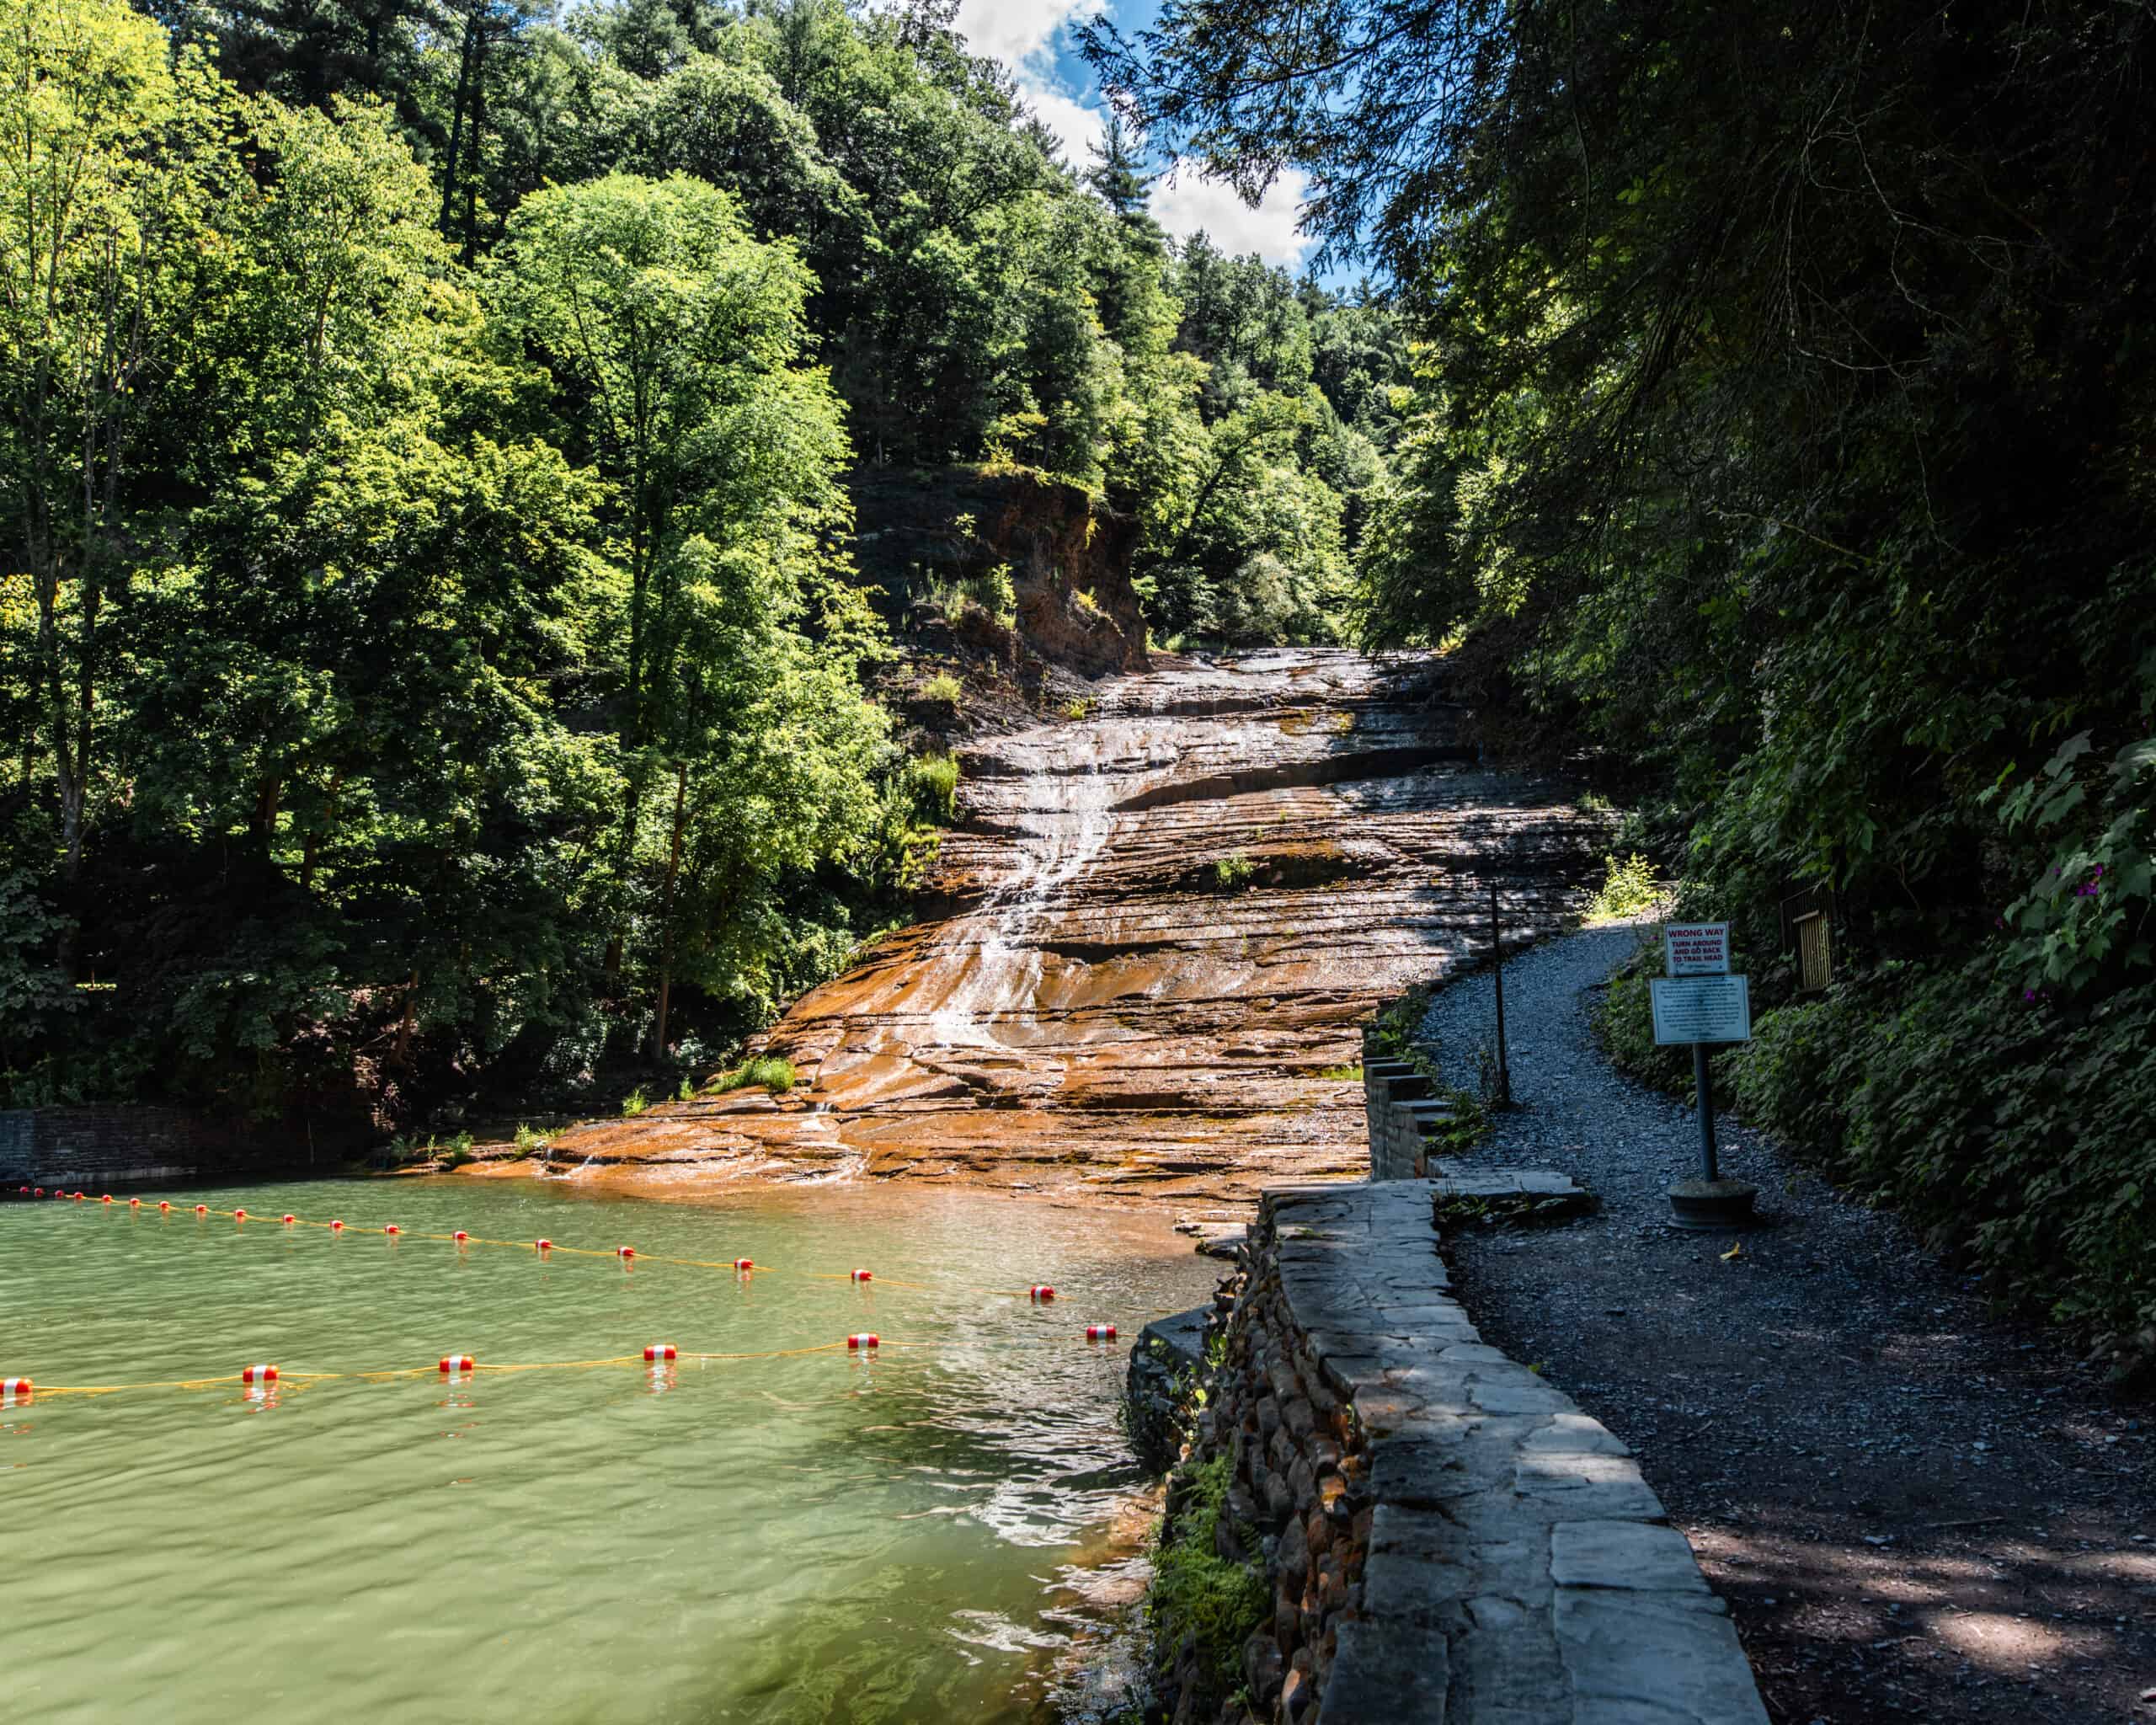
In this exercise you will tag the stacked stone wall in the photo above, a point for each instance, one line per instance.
(1399, 1149)
(107, 1143)
(1298, 1506)
(1445, 1538)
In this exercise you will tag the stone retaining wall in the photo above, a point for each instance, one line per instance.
(103, 1145)
(1400, 1104)
(1446, 1538)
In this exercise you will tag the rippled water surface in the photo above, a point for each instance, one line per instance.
(812, 1538)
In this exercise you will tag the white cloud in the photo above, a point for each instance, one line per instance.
(1015, 31)
(1026, 36)
(1080, 127)
(1185, 201)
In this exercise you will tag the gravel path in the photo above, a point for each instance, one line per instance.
(1916, 1511)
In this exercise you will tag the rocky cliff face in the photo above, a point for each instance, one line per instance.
(1068, 558)
(1166, 918)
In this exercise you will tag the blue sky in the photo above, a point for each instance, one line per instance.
(1035, 39)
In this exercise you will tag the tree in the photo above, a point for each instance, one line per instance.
(674, 341)
(1118, 175)
(108, 176)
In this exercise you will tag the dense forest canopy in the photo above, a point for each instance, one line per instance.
(430, 645)
(1785, 429)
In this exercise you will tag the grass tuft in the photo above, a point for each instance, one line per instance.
(773, 1072)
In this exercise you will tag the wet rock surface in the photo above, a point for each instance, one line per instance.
(1916, 1511)
(1168, 916)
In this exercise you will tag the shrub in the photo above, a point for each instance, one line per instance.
(633, 1104)
(529, 1142)
(932, 783)
(944, 690)
(774, 1072)
(1628, 888)
(1233, 871)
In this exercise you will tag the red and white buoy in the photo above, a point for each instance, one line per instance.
(13, 1390)
(201, 1209)
(1100, 1332)
(744, 1263)
(289, 1219)
(164, 1203)
(459, 1236)
(1040, 1293)
(659, 1351)
(239, 1215)
(107, 1199)
(76, 1196)
(134, 1203)
(337, 1227)
(864, 1275)
(37, 1192)
(542, 1246)
(863, 1340)
(258, 1375)
(393, 1229)
(625, 1251)
(455, 1365)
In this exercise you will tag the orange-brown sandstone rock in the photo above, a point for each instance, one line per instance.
(1166, 918)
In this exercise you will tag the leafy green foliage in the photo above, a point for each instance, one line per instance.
(772, 1073)
(1233, 873)
(1196, 1592)
(932, 785)
(428, 651)
(1627, 888)
(2086, 919)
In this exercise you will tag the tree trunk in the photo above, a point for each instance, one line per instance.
(473, 151)
(666, 913)
(320, 831)
(401, 1054)
(456, 118)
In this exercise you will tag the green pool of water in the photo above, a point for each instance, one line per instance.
(822, 1537)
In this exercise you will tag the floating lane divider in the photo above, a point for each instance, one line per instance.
(452, 1368)
(1039, 1294)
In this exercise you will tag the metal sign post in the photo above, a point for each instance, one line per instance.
(1701, 1003)
(1504, 1097)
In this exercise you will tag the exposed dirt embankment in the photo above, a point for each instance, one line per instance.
(1067, 556)
(1170, 914)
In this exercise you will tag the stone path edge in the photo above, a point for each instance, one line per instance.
(1518, 1569)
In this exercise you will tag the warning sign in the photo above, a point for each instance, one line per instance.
(1695, 948)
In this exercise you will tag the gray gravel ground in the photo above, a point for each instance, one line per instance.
(1916, 1510)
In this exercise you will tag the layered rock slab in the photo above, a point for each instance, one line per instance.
(1166, 917)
